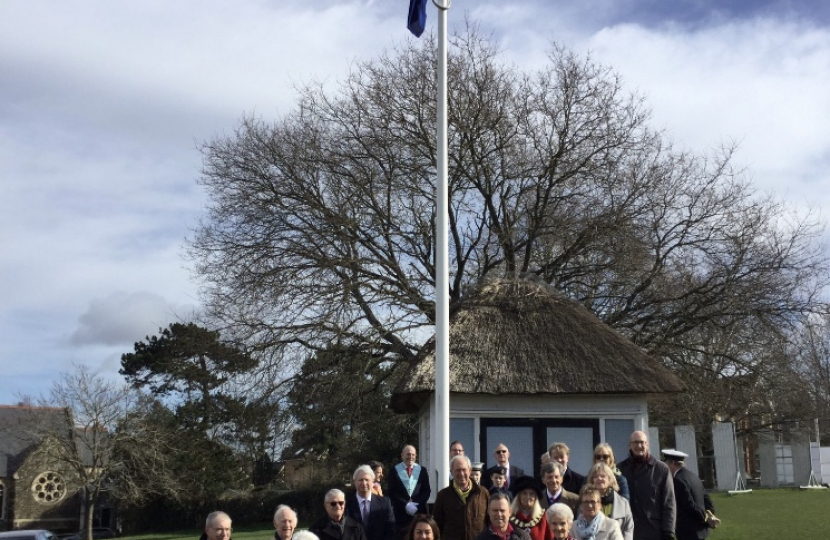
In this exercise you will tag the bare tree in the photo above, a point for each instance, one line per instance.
(320, 225)
(107, 442)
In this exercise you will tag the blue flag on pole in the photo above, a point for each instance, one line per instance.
(417, 20)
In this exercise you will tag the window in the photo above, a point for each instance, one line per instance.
(48, 487)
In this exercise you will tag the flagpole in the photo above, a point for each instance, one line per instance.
(442, 294)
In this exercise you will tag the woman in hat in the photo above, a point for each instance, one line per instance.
(526, 512)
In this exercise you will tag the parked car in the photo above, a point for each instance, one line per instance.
(34, 534)
(98, 533)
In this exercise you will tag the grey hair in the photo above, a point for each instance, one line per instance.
(550, 466)
(304, 535)
(213, 516)
(559, 510)
(332, 493)
(460, 457)
(364, 469)
(282, 508)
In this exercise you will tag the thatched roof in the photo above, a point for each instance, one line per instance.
(517, 336)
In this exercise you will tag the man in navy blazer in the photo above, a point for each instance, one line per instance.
(372, 511)
(408, 489)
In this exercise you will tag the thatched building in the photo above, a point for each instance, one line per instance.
(529, 367)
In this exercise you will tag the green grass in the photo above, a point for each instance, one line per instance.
(769, 514)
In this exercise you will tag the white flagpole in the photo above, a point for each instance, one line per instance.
(442, 291)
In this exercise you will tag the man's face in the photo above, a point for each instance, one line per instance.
(363, 483)
(498, 480)
(502, 454)
(408, 455)
(638, 444)
(456, 450)
(335, 507)
(461, 474)
(560, 457)
(284, 523)
(219, 529)
(499, 512)
(553, 481)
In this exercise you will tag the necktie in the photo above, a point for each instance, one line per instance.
(409, 471)
(365, 513)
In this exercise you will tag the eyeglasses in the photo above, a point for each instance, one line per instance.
(602, 456)
(335, 504)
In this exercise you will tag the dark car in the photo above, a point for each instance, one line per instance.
(34, 534)
(98, 533)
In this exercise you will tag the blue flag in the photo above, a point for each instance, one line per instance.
(417, 20)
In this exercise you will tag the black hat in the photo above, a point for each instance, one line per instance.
(477, 466)
(498, 469)
(525, 482)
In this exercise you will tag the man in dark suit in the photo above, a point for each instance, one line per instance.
(408, 489)
(502, 455)
(689, 497)
(571, 480)
(372, 511)
(651, 488)
(337, 525)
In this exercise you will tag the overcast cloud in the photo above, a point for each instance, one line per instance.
(103, 104)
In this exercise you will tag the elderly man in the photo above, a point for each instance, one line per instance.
(285, 521)
(652, 491)
(373, 512)
(337, 525)
(554, 492)
(571, 480)
(689, 496)
(498, 510)
(461, 509)
(502, 455)
(217, 526)
(408, 489)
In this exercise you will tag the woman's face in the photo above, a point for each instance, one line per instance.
(589, 505)
(378, 474)
(527, 498)
(601, 481)
(423, 531)
(560, 527)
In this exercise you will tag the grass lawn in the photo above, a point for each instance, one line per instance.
(768, 514)
(771, 514)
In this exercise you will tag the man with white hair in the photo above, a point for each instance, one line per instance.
(285, 521)
(218, 526)
(337, 525)
(460, 509)
(372, 511)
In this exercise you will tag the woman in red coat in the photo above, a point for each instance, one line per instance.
(527, 512)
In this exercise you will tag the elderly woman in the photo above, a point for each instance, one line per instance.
(423, 527)
(526, 512)
(615, 507)
(604, 454)
(560, 517)
(592, 524)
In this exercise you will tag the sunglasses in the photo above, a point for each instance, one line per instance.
(602, 456)
(335, 504)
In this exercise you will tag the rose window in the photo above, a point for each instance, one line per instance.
(48, 487)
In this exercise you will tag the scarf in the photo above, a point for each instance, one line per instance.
(409, 482)
(462, 494)
(520, 520)
(585, 530)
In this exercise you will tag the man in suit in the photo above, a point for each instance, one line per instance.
(502, 455)
(408, 489)
(554, 492)
(689, 496)
(337, 525)
(372, 511)
(651, 488)
(571, 480)
(285, 522)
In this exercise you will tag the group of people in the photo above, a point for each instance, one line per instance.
(642, 498)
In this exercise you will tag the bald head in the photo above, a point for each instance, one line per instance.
(638, 444)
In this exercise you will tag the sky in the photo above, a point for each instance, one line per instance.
(103, 106)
